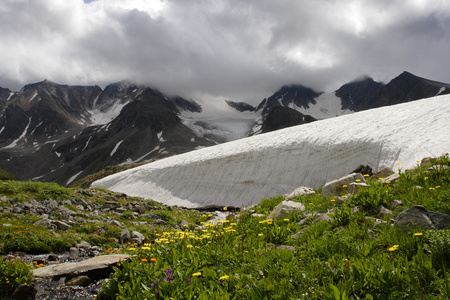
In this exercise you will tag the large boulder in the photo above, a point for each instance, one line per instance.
(73, 269)
(419, 216)
(284, 208)
(340, 185)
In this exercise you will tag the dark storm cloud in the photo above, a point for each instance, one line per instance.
(242, 50)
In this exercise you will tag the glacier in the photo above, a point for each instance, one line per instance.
(240, 173)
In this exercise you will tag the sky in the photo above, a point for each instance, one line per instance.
(241, 50)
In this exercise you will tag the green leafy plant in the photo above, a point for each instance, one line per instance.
(438, 245)
(13, 273)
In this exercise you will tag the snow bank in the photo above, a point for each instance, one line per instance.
(242, 172)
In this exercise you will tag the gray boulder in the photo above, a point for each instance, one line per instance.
(79, 280)
(125, 236)
(284, 208)
(137, 237)
(337, 186)
(383, 173)
(419, 216)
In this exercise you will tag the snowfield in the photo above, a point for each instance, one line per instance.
(242, 172)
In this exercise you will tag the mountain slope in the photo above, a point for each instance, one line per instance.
(366, 94)
(239, 173)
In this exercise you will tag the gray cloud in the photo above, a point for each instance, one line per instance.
(243, 50)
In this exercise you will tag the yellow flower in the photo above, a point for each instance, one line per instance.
(398, 163)
(388, 181)
(438, 186)
(190, 246)
(224, 208)
(260, 234)
(418, 234)
(380, 178)
(426, 178)
(332, 200)
(344, 186)
(358, 180)
(393, 248)
(224, 277)
(233, 224)
(197, 274)
(366, 175)
(286, 220)
(145, 248)
(131, 249)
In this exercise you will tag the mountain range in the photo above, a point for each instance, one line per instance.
(61, 133)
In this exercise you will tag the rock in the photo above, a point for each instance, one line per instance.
(72, 269)
(300, 191)
(383, 211)
(440, 220)
(83, 245)
(419, 216)
(116, 223)
(111, 205)
(79, 280)
(149, 216)
(124, 236)
(336, 187)
(390, 179)
(79, 201)
(382, 173)
(354, 187)
(45, 223)
(425, 161)
(364, 170)
(284, 208)
(137, 237)
(396, 203)
(61, 225)
(337, 200)
(414, 216)
(24, 292)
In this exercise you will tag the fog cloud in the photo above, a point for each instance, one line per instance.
(240, 50)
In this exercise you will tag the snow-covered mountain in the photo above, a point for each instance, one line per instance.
(61, 133)
(241, 173)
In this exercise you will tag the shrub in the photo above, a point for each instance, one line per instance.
(438, 245)
(13, 273)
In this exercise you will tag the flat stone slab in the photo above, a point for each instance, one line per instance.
(74, 268)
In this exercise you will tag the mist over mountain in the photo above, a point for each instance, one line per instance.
(61, 133)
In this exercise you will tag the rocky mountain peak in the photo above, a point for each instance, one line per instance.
(296, 94)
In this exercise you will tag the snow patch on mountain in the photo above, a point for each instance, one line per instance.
(71, 179)
(115, 148)
(242, 172)
(328, 105)
(100, 117)
(24, 133)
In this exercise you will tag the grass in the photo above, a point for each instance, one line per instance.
(352, 256)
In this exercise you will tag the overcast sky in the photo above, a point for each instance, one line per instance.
(243, 50)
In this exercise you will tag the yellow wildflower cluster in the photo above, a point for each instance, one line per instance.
(393, 248)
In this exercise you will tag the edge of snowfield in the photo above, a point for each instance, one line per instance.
(242, 172)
